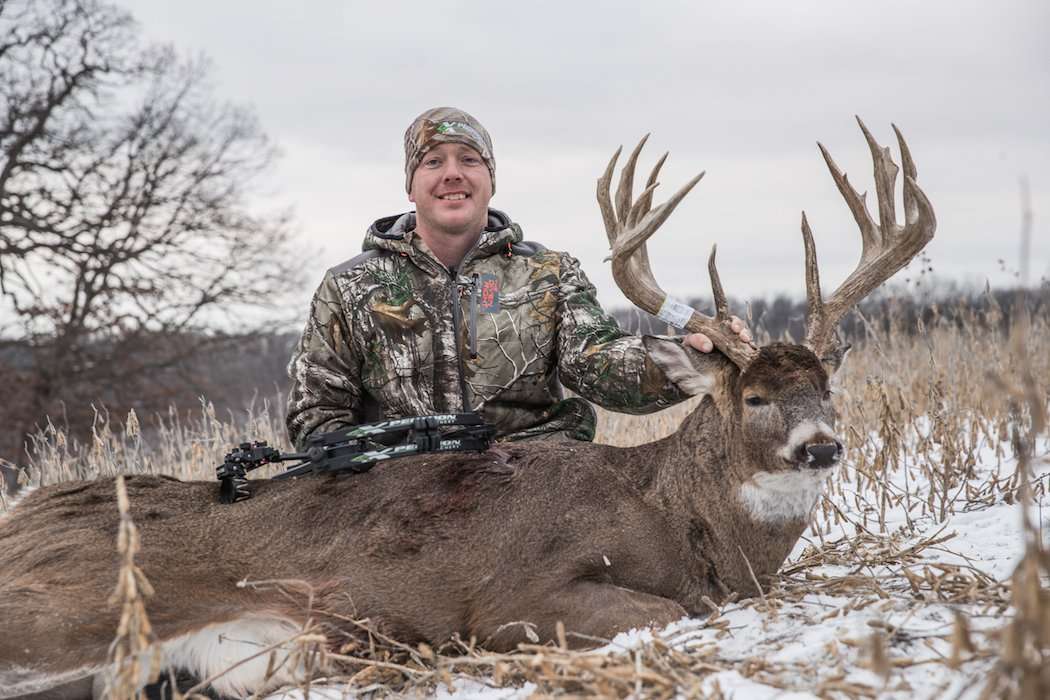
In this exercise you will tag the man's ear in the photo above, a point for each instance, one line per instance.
(833, 360)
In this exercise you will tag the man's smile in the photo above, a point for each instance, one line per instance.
(453, 196)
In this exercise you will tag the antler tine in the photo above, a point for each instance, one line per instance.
(814, 300)
(868, 230)
(642, 206)
(628, 232)
(626, 186)
(635, 237)
(885, 178)
(886, 248)
(639, 260)
(605, 202)
(612, 227)
(916, 205)
(640, 209)
(717, 329)
(906, 159)
(717, 293)
(645, 201)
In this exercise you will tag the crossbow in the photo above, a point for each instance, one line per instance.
(355, 449)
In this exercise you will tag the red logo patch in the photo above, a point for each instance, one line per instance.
(489, 293)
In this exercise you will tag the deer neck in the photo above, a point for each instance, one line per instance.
(688, 468)
(700, 480)
(768, 513)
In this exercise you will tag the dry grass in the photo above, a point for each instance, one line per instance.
(134, 657)
(187, 447)
(915, 409)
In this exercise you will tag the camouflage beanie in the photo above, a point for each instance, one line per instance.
(445, 125)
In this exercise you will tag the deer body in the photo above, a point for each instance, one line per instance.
(500, 546)
(600, 538)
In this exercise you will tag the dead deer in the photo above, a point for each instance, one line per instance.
(498, 546)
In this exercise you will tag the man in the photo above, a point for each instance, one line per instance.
(448, 310)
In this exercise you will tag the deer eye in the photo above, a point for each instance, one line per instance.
(755, 401)
(827, 395)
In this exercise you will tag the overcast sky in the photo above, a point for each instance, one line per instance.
(740, 89)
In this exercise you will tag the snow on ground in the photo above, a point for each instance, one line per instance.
(822, 641)
(897, 592)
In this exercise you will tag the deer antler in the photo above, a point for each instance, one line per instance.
(886, 248)
(629, 226)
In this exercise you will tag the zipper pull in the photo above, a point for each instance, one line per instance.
(475, 290)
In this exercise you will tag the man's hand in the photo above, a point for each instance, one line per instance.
(699, 341)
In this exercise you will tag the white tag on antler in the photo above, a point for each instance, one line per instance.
(675, 312)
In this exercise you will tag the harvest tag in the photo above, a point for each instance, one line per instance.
(488, 291)
(674, 312)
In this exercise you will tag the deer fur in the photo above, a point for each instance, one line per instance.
(600, 538)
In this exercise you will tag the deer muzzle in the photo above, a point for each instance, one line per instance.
(812, 445)
(823, 454)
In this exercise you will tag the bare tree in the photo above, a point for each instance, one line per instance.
(126, 241)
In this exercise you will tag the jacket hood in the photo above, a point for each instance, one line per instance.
(397, 233)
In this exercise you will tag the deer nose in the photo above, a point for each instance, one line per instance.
(823, 454)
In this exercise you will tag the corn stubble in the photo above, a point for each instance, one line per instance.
(135, 660)
(917, 407)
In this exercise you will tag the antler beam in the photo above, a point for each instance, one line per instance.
(886, 247)
(629, 225)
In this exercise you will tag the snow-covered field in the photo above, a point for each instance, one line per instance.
(881, 622)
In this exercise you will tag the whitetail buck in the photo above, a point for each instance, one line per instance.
(600, 538)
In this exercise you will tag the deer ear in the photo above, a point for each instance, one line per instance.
(832, 361)
(695, 373)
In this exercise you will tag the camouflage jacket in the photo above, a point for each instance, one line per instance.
(394, 333)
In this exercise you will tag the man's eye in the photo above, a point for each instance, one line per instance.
(471, 160)
(755, 401)
(431, 163)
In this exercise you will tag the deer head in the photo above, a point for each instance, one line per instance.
(775, 400)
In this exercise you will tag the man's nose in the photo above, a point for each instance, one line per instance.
(452, 171)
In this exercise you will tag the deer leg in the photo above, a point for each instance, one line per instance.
(231, 647)
(590, 612)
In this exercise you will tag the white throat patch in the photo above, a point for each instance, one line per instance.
(776, 497)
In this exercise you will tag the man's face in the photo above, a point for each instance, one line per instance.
(451, 189)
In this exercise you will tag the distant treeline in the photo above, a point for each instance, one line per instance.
(784, 318)
(228, 371)
(232, 371)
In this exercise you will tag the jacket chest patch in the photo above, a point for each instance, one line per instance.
(488, 294)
